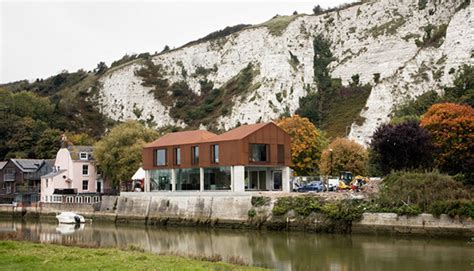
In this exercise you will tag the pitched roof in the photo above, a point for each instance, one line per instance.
(2, 164)
(181, 138)
(202, 136)
(28, 165)
(239, 132)
(75, 150)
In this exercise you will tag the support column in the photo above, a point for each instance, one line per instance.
(239, 178)
(285, 179)
(201, 179)
(232, 178)
(269, 179)
(173, 180)
(147, 181)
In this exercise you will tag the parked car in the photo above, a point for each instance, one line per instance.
(315, 186)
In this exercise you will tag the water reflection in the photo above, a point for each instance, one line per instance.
(280, 250)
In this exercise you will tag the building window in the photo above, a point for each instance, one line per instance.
(46, 183)
(85, 170)
(281, 154)
(177, 156)
(215, 154)
(258, 153)
(160, 180)
(195, 155)
(83, 155)
(161, 157)
(217, 178)
(85, 185)
(187, 179)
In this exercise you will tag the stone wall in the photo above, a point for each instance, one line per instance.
(222, 209)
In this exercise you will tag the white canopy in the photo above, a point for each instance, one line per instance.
(140, 174)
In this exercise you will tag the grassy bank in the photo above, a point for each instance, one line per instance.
(16, 255)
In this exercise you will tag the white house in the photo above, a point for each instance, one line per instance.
(74, 174)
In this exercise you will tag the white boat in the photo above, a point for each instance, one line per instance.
(70, 218)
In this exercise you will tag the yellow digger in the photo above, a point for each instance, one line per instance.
(347, 181)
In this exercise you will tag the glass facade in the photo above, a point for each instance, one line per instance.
(255, 178)
(258, 153)
(187, 179)
(217, 178)
(160, 180)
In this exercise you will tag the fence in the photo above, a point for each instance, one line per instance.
(80, 199)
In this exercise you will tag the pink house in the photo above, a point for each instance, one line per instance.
(74, 174)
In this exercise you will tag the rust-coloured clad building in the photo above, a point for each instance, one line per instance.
(247, 158)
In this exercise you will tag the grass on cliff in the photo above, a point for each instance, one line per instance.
(16, 255)
(277, 25)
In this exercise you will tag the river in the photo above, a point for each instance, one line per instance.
(278, 250)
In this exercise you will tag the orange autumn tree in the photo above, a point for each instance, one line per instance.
(307, 142)
(452, 128)
(344, 154)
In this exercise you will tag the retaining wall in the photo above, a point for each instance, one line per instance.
(224, 210)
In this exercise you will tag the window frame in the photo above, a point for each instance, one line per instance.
(87, 183)
(267, 153)
(156, 157)
(194, 157)
(214, 157)
(87, 170)
(177, 156)
(83, 158)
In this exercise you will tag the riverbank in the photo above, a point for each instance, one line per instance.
(20, 255)
(268, 211)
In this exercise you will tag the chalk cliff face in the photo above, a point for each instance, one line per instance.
(380, 37)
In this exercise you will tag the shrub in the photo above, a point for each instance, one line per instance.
(413, 193)
(401, 146)
(252, 213)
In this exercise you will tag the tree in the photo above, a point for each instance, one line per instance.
(101, 68)
(317, 10)
(344, 154)
(119, 153)
(48, 144)
(80, 139)
(452, 128)
(402, 146)
(307, 142)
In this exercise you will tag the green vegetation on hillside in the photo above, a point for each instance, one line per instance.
(33, 115)
(461, 92)
(334, 107)
(32, 256)
(190, 107)
(277, 25)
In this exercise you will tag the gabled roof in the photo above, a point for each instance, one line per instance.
(28, 165)
(2, 164)
(202, 136)
(182, 138)
(239, 132)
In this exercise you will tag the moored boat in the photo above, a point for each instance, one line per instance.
(70, 218)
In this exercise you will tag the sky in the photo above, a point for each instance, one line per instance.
(39, 39)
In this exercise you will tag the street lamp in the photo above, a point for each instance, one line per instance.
(330, 167)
